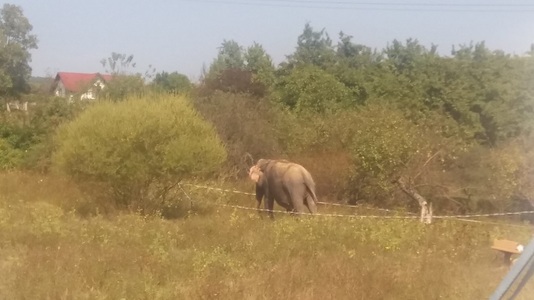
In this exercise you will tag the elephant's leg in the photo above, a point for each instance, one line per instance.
(284, 201)
(287, 206)
(258, 208)
(298, 194)
(269, 204)
(261, 192)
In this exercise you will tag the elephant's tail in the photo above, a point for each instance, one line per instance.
(311, 201)
(311, 192)
(310, 187)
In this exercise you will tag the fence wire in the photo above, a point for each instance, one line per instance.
(464, 217)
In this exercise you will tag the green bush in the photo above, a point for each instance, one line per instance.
(27, 136)
(139, 148)
(123, 86)
(46, 117)
(9, 156)
(174, 83)
(312, 89)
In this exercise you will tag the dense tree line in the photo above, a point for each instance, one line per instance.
(456, 129)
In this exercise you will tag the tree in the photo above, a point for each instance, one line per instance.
(390, 152)
(405, 57)
(313, 48)
(355, 55)
(122, 86)
(118, 64)
(173, 82)
(139, 148)
(309, 88)
(488, 91)
(238, 71)
(235, 81)
(124, 82)
(16, 41)
(230, 57)
(260, 64)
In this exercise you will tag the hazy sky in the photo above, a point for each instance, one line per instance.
(182, 35)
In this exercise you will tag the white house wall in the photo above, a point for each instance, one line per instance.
(60, 90)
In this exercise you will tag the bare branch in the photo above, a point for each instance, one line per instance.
(426, 163)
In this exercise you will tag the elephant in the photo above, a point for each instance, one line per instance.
(290, 184)
(261, 189)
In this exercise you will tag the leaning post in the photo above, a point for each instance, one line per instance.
(426, 208)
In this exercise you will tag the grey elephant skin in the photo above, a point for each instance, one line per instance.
(290, 184)
(261, 189)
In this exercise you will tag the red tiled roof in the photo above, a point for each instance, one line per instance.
(77, 82)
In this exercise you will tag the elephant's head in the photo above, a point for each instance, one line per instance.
(262, 164)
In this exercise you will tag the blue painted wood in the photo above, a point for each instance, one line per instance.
(525, 260)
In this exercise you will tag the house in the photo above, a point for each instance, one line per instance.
(82, 85)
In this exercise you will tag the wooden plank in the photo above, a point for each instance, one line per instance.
(506, 246)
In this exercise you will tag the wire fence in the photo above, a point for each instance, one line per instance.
(399, 214)
(318, 202)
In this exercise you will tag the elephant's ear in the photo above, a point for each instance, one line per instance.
(252, 170)
(254, 173)
(255, 177)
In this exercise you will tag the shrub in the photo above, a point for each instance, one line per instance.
(139, 148)
(27, 136)
(47, 115)
(245, 124)
(9, 156)
(123, 86)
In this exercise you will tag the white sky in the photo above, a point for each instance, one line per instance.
(183, 35)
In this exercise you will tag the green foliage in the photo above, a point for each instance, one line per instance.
(46, 116)
(455, 128)
(123, 86)
(355, 55)
(10, 157)
(257, 60)
(230, 57)
(16, 41)
(16, 138)
(27, 137)
(312, 89)
(140, 148)
(260, 64)
(125, 82)
(405, 58)
(386, 146)
(174, 82)
(238, 71)
(499, 178)
(313, 48)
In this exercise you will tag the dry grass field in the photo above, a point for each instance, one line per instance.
(48, 251)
